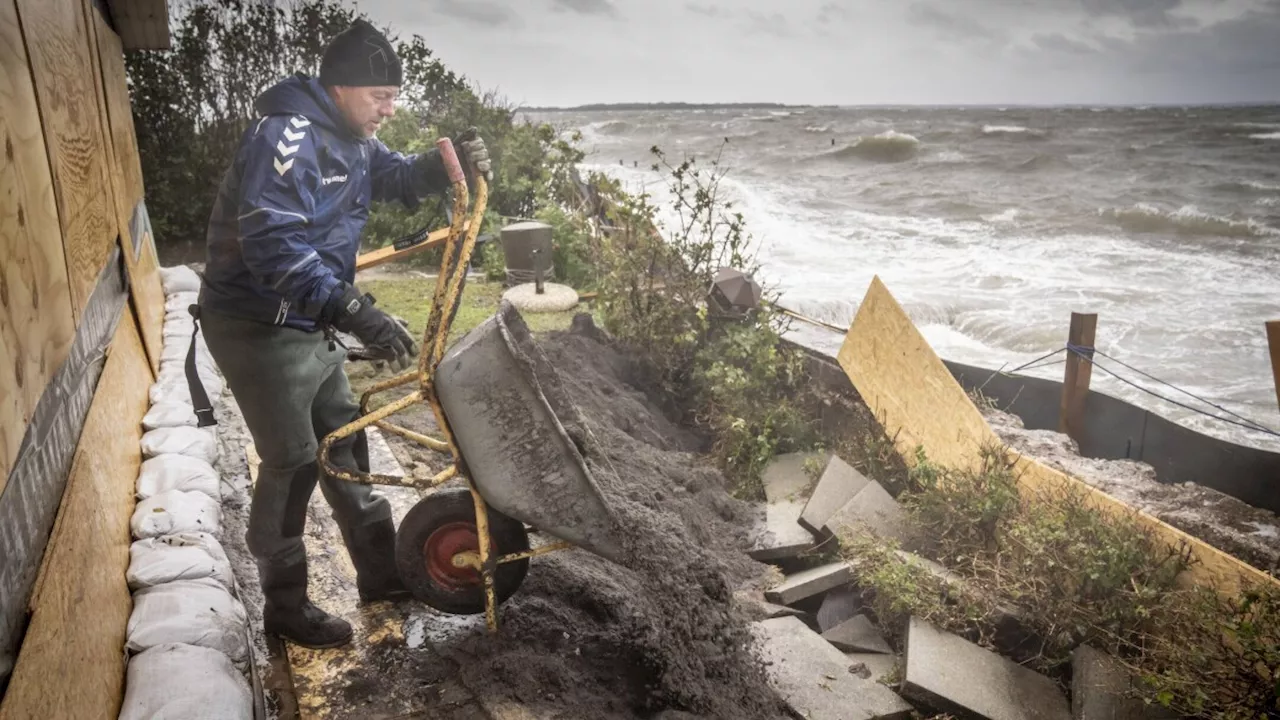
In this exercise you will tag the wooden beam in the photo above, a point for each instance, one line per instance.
(382, 256)
(920, 404)
(1273, 342)
(1075, 386)
(36, 321)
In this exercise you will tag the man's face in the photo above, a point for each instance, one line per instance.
(364, 108)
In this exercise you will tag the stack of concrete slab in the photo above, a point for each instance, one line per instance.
(831, 663)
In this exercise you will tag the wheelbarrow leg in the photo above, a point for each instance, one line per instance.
(488, 561)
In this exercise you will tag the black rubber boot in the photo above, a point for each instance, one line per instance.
(372, 549)
(288, 612)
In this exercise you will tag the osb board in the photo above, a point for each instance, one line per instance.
(126, 184)
(72, 663)
(36, 324)
(920, 404)
(58, 43)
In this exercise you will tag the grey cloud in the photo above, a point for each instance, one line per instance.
(774, 24)
(1143, 13)
(707, 9)
(479, 12)
(587, 7)
(951, 27)
(1057, 42)
(831, 12)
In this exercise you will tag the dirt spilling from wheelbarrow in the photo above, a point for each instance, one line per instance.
(659, 633)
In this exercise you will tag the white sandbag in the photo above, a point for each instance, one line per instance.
(172, 386)
(169, 558)
(179, 278)
(196, 442)
(178, 328)
(176, 361)
(172, 471)
(176, 511)
(169, 413)
(174, 681)
(180, 301)
(194, 612)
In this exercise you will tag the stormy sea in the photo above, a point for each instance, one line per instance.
(991, 225)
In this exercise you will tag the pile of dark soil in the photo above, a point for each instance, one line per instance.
(660, 633)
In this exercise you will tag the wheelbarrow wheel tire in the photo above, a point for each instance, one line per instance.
(442, 525)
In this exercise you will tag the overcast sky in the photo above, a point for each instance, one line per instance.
(568, 52)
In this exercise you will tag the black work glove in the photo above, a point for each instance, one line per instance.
(383, 338)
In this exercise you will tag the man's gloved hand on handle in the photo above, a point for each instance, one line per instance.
(473, 153)
(384, 339)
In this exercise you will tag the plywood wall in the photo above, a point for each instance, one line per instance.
(36, 322)
(126, 184)
(59, 48)
(72, 663)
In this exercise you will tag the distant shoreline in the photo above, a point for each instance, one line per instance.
(669, 106)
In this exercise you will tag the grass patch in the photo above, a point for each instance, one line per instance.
(410, 297)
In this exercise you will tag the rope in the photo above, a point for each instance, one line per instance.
(1247, 424)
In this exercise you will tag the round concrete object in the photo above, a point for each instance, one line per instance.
(554, 298)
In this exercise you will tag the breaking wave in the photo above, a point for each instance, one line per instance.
(818, 128)
(1266, 136)
(888, 146)
(1187, 220)
(611, 127)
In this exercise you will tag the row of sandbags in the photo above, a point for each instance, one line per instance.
(187, 637)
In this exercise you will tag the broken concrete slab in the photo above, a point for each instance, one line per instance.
(857, 634)
(808, 583)
(782, 537)
(785, 478)
(817, 681)
(873, 510)
(837, 485)
(872, 666)
(837, 606)
(1100, 687)
(952, 675)
(760, 609)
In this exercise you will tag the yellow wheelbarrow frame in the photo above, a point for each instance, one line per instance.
(448, 294)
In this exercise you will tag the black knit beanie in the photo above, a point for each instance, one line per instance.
(360, 56)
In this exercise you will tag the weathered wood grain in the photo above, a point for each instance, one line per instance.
(58, 44)
(72, 664)
(36, 322)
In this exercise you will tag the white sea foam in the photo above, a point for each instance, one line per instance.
(1266, 136)
(1004, 129)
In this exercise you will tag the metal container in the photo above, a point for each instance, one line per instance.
(520, 436)
(519, 240)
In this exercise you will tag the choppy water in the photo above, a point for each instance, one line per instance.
(991, 225)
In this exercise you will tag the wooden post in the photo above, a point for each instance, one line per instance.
(1075, 386)
(1273, 339)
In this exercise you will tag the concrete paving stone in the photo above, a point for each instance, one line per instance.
(857, 634)
(760, 609)
(817, 681)
(952, 675)
(785, 479)
(837, 606)
(782, 538)
(871, 510)
(877, 665)
(1099, 687)
(808, 583)
(839, 483)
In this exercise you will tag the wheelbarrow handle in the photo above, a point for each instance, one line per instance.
(452, 166)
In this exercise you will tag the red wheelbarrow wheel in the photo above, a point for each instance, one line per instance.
(442, 525)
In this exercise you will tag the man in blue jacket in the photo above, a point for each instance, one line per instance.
(282, 244)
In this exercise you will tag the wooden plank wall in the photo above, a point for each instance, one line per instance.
(72, 663)
(36, 323)
(126, 184)
(57, 41)
(71, 190)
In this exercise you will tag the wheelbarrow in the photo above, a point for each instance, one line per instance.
(515, 439)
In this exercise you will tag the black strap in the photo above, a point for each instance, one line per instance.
(199, 398)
